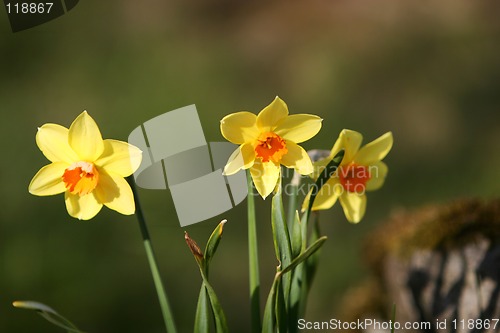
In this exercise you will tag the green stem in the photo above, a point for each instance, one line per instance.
(253, 256)
(160, 289)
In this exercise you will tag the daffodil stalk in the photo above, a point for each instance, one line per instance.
(160, 289)
(266, 142)
(253, 260)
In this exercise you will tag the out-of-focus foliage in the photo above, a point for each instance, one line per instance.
(429, 72)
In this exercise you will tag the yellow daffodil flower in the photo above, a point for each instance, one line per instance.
(268, 140)
(361, 170)
(89, 170)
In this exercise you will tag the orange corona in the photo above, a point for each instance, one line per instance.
(270, 147)
(81, 178)
(354, 177)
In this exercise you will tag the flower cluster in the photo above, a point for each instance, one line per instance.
(90, 172)
(269, 139)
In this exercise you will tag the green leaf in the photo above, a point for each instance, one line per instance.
(296, 235)
(295, 294)
(220, 317)
(281, 237)
(325, 175)
(213, 242)
(49, 314)
(269, 322)
(312, 262)
(203, 313)
(281, 311)
(299, 279)
(292, 192)
(304, 255)
(300, 284)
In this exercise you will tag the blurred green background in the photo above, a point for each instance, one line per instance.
(428, 71)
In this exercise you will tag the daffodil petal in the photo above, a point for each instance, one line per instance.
(375, 150)
(297, 158)
(298, 127)
(271, 115)
(350, 141)
(239, 127)
(242, 158)
(52, 139)
(120, 157)
(354, 206)
(378, 172)
(85, 138)
(328, 195)
(265, 176)
(82, 207)
(115, 193)
(48, 180)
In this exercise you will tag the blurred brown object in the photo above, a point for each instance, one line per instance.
(436, 263)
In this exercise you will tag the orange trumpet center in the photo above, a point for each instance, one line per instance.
(81, 178)
(270, 147)
(353, 177)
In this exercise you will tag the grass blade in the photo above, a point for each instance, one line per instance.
(49, 314)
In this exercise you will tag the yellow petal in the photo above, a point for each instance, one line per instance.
(269, 117)
(354, 206)
(48, 180)
(82, 207)
(265, 176)
(297, 158)
(328, 195)
(242, 158)
(378, 172)
(52, 140)
(350, 141)
(120, 157)
(298, 127)
(85, 138)
(375, 150)
(239, 127)
(115, 193)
